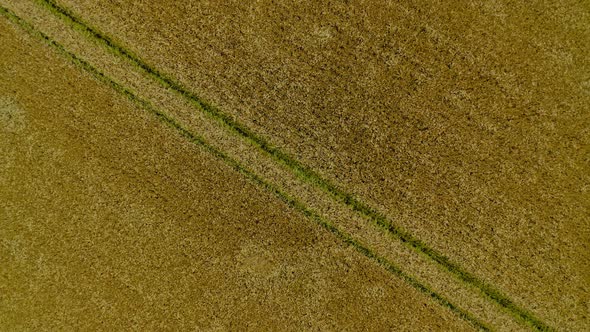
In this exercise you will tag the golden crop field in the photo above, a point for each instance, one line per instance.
(286, 165)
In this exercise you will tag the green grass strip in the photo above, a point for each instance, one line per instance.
(303, 172)
(200, 141)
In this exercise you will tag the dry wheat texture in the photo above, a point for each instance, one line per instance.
(282, 165)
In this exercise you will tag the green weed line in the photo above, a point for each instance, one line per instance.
(303, 172)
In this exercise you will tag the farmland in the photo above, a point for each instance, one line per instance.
(471, 148)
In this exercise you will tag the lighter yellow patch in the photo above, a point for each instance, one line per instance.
(12, 118)
(257, 261)
(323, 34)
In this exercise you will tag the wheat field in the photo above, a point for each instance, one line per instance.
(284, 165)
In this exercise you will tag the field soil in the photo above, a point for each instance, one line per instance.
(466, 123)
(112, 220)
